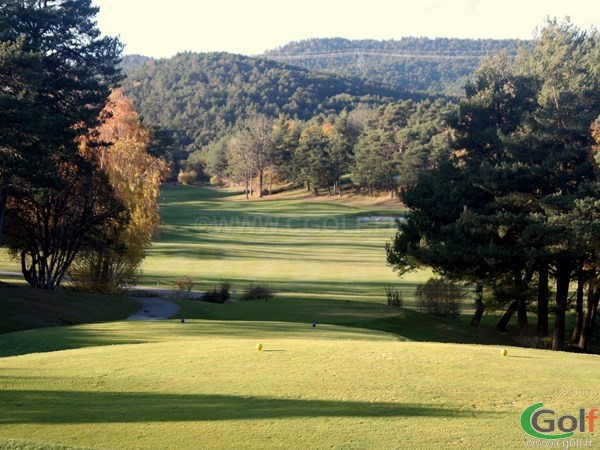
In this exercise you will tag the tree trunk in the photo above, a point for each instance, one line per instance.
(579, 307)
(247, 189)
(479, 306)
(28, 272)
(3, 201)
(563, 277)
(260, 183)
(521, 290)
(270, 183)
(315, 191)
(542, 300)
(588, 320)
(505, 319)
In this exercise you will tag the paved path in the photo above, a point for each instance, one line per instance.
(154, 308)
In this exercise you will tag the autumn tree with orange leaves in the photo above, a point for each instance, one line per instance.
(120, 147)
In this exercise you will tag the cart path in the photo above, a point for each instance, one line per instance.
(154, 308)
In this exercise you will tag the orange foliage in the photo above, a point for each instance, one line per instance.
(120, 146)
(327, 129)
(596, 134)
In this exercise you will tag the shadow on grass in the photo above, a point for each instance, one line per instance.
(68, 407)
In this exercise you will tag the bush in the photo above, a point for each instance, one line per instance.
(394, 296)
(185, 283)
(187, 177)
(217, 295)
(257, 292)
(440, 297)
(215, 181)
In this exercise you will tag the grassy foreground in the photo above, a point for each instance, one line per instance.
(202, 384)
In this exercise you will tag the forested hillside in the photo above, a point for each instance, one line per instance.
(414, 63)
(200, 97)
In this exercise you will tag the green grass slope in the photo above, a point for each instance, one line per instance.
(22, 308)
(202, 384)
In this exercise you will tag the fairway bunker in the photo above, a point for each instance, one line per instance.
(380, 219)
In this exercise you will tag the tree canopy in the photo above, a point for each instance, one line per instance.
(517, 194)
(58, 71)
(199, 98)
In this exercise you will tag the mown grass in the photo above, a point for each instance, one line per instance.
(22, 308)
(202, 384)
(301, 247)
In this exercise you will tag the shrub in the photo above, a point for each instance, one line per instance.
(217, 295)
(215, 181)
(187, 177)
(257, 292)
(394, 296)
(185, 283)
(440, 297)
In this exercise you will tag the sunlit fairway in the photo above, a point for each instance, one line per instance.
(366, 376)
(307, 247)
(202, 384)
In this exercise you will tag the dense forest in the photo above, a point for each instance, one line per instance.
(439, 66)
(200, 97)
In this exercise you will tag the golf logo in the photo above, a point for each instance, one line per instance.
(543, 423)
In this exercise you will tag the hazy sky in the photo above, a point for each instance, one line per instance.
(162, 28)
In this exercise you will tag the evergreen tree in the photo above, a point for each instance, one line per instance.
(65, 71)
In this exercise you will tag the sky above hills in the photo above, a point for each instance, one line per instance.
(164, 28)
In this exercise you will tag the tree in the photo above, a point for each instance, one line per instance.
(241, 165)
(120, 146)
(342, 136)
(46, 228)
(259, 130)
(520, 191)
(286, 137)
(211, 159)
(425, 140)
(464, 222)
(379, 148)
(60, 72)
(564, 61)
(21, 117)
(312, 160)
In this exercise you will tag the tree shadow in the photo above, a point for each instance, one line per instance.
(68, 407)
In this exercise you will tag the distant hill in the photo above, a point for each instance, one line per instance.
(439, 66)
(199, 97)
(130, 63)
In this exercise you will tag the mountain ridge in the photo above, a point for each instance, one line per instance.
(434, 65)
